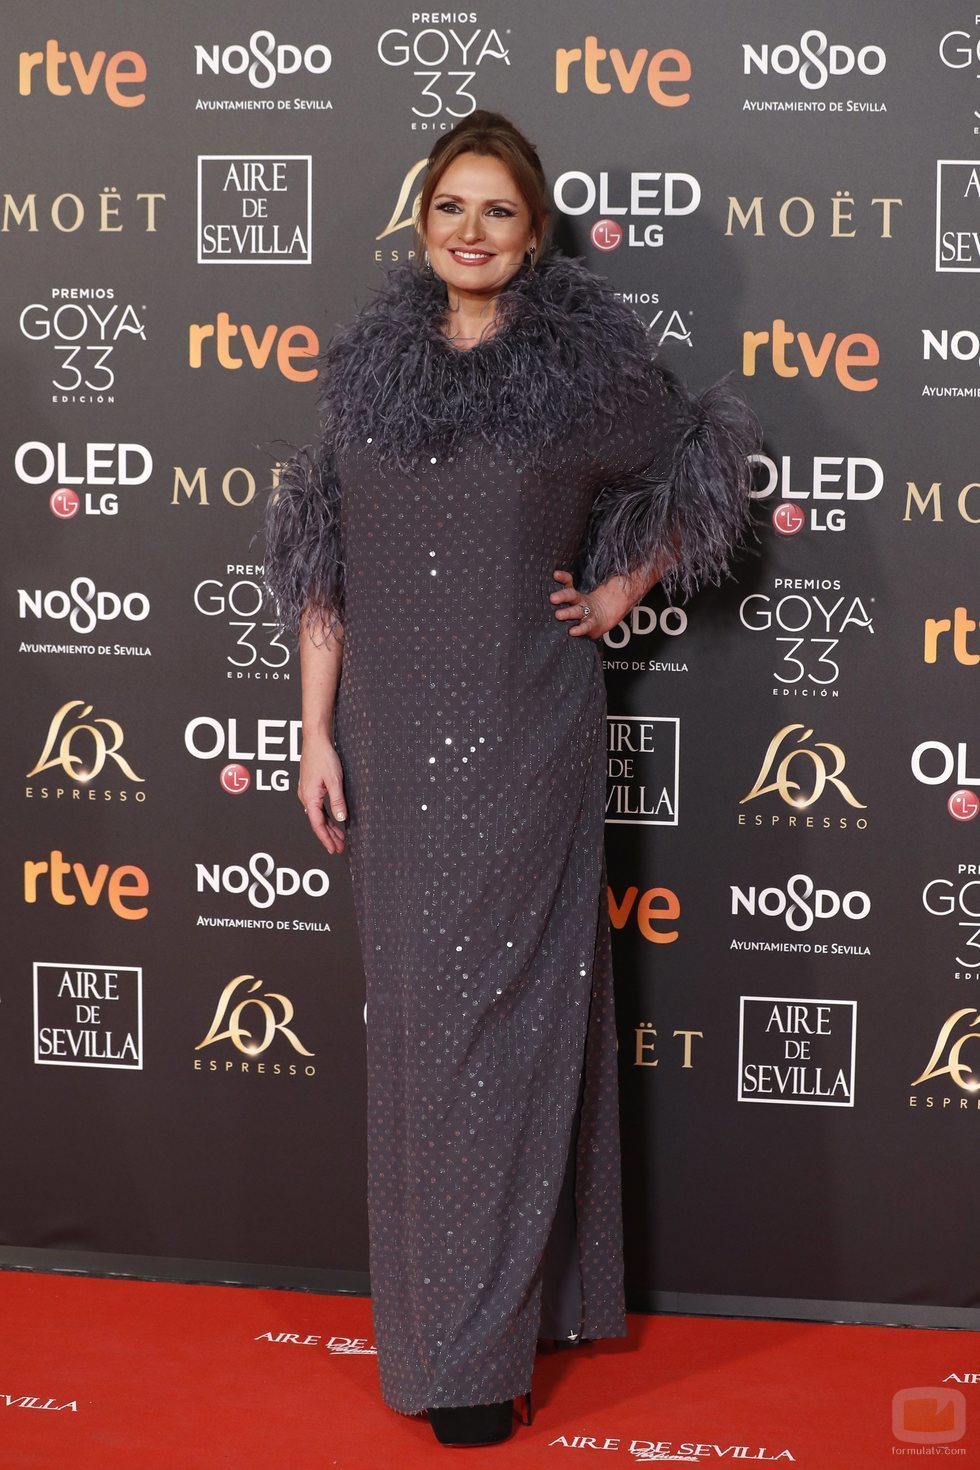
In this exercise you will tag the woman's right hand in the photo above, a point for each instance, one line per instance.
(321, 777)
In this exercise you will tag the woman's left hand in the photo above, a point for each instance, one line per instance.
(607, 607)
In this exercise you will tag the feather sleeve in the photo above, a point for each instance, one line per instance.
(304, 571)
(675, 491)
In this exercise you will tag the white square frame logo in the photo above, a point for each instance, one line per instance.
(135, 970)
(942, 163)
(674, 720)
(307, 158)
(809, 1000)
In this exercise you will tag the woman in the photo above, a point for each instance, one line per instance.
(492, 425)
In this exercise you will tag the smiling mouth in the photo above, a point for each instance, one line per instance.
(472, 257)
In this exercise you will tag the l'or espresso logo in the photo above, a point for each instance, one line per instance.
(792, 1050)
(81, 749)
(121, 888)
(786, 756)
(958, 902)
(242, 1005)
(88, 1016)
(807, 619)
(643, 754)
(947, 1063)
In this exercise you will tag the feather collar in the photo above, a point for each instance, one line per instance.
(565, 349)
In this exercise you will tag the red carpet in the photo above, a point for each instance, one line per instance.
(172, 1377)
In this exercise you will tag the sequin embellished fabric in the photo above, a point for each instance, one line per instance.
(472, 732)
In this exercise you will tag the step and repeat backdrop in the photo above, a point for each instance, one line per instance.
(191, 206)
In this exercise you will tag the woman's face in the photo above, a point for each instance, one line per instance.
(479, 226)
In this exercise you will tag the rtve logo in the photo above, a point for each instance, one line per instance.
(854, 353)
(121, 69)
(662, 69)
(954, 631)
(292, 348)
(119, 886)
(648, 910)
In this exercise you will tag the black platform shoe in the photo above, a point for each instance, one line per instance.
(572, 1339)
(477, 1424)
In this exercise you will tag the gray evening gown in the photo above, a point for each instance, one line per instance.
(444, 488)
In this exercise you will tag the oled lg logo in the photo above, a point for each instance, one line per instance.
(273, 747)
(103, 470)
(646, 200)
(934, 763)
(831, 483)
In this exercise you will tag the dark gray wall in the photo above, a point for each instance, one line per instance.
(785, 1153)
